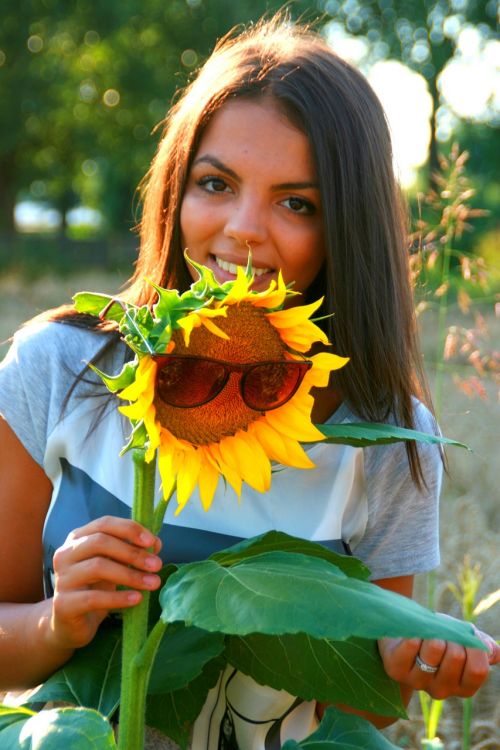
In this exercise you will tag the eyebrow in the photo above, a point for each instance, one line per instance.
(209, 159)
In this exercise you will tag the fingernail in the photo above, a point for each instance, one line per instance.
(149, 580)
(134, 597)
(147, 539)
(151, 562)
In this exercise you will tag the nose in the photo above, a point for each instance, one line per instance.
(247, 222)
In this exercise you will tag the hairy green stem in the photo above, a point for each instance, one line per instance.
(160, 510)
(135, 623)
(146, 656)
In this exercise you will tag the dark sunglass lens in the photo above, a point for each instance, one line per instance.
(187, 382)
(269, 385)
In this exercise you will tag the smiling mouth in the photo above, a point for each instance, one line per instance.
(232, 268)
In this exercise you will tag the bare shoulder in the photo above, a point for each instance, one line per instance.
(25, 493)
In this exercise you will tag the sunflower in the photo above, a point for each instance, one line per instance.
(226, 437)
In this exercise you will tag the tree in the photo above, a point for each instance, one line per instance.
(83, 85)
(421, 33)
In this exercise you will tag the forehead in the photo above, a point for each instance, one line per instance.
(245, 129)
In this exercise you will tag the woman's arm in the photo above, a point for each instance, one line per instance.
(37, 636)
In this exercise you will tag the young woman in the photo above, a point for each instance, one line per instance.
(281, 147)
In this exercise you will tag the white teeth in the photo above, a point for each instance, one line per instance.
(233, 267)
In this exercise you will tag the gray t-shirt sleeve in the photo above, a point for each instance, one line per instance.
(402, 531)
(35, 377)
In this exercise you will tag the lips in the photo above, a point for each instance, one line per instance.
(232, 268)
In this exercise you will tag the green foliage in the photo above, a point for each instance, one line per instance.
(352, 672)
(279, 609)
(278, 540)
(83, 85)
(102, 660)
(181, 657)
(341, 731)
(174, 712)
(285, 592)
(371, 433)
(55, 729)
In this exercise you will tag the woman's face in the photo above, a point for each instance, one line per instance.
(253, 185)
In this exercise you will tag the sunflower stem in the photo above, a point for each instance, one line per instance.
(160, 510)
(135, 672)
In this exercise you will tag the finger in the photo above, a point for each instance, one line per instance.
(101, 569)
(491, 645)
(447, 680)
(494, 657)
(398, 656)
(100, 544)
(432, 652)
(79, 603)
(123, 528)
(475, 672)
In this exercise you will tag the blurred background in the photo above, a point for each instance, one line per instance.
(83, 86)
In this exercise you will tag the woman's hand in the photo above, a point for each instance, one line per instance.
(459, 671)
(90, 566)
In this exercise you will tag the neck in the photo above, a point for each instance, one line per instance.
(326, 402)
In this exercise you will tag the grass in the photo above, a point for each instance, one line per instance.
(470, 505)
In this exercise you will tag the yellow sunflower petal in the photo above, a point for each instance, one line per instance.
(187, 324)
(208, 480)
(200, 317)
(215, 329)
(134, 411)
(166, 469)
(279, 447)
(228, 472)
(323, 364)
(144, 380)
(294, 316)
(289, 420)
(153, 429)
(273, 296)
(301, 339)
(210, 312)
(239, 290)
(251, 461)
(187, 476)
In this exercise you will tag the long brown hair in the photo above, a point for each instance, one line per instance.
(365, 278)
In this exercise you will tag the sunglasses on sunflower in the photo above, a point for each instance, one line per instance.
(187, 381)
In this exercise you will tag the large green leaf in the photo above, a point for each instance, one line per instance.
(181, 656)
(285, 592)
(349, 672)
(362, 434)
(173, 713)
(55, 729)
(279, 541)
(72, 684)
(342, 731)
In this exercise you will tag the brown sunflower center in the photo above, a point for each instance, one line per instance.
(252, 338)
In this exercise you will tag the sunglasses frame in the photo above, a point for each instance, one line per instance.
(245, 368)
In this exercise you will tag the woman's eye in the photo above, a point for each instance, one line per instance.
(299, 205)
(213, 184)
